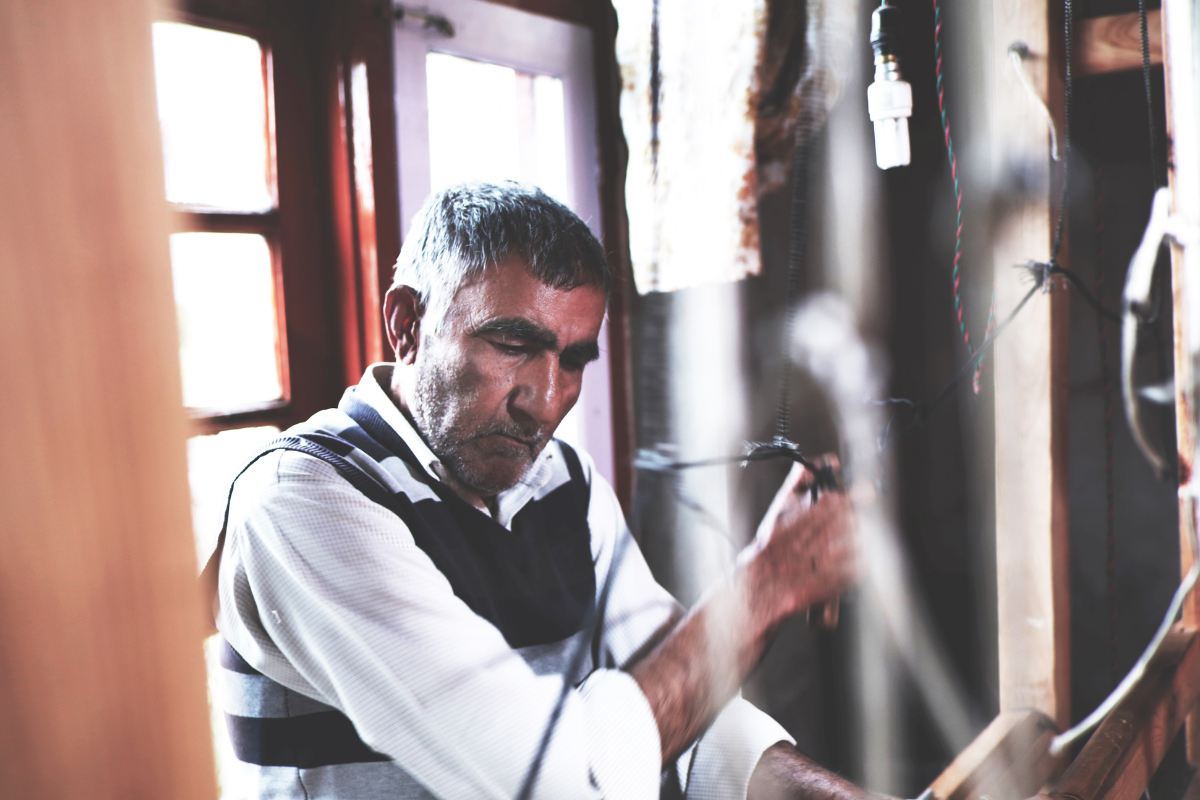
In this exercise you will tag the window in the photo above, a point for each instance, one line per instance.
(214, 105)
(509, 95)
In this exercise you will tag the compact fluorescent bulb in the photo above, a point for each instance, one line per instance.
(889, 102)
(889, 98)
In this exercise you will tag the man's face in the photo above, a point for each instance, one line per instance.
(506, 366)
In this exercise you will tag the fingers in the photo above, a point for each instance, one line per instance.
(796, 494)
(818, 477)
(798, 479)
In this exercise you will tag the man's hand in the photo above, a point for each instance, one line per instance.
(783, 774)
(803, 554)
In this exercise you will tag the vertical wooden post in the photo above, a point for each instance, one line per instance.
(1185, 408)
(357, 70)
(102, 687)
(1183, 174)
(1031, 374)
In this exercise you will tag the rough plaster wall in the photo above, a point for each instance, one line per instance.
(690, 185)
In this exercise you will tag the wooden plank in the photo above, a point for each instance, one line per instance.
(1031, 394)
(614, 156)
(1124, 752)
(313, 364)
(581, 11)
(1009, 760)
(102, 683)
(266, 223)
(1114, 43)
(371, 45)
(334, 28)
(1183, 175)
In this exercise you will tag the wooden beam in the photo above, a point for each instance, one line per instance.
(1124, 752)
(102, 684)
(1183, 175)
(1031, 394)
(614, 157)
(1009, 760)
(1114, 43)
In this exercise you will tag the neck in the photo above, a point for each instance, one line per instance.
(488, 503)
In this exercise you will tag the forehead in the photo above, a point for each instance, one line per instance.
(510, 289)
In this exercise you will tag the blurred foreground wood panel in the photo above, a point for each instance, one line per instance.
(102, 689)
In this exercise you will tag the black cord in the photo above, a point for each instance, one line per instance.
(595, 617)
(1068, 42)
(1088, 297)
(796, 248)
(921, 411)
(1155, 159)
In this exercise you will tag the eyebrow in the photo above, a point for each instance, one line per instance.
(519, 328)
(527, 331)
(581, 353)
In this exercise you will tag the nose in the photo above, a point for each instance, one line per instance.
(537, 397)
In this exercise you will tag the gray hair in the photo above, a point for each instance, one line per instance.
(462, 230)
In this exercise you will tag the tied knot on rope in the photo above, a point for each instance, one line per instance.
(1041, 273)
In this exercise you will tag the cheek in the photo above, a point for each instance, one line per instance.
(470, 383)
(572, 385)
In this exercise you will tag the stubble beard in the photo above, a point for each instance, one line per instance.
(441, 400)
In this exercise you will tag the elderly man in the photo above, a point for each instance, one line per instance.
(408, 584)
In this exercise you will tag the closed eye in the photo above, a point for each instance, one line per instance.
(510, 349)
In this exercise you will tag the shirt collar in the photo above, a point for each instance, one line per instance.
(371, 390)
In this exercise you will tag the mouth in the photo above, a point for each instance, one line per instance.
(508, 440)
(518, 440)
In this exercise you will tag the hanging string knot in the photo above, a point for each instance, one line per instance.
(1040, 273)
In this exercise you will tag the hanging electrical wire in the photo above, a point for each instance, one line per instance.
(1155, 159)
(956, 271)
(1110, 530)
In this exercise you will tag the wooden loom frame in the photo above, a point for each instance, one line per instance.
(1010, 759)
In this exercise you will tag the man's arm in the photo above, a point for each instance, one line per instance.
(802, 555)
(782, 773)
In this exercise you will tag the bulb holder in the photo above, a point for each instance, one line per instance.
(886, 29)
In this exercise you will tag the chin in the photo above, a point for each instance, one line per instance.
(491, 475)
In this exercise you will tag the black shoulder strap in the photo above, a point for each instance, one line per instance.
(299, 444)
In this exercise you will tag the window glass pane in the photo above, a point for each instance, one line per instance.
(212, 106)
(213, 462)
(488, 122)
(225, 297)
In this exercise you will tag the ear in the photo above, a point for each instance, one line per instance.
(402, 312)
